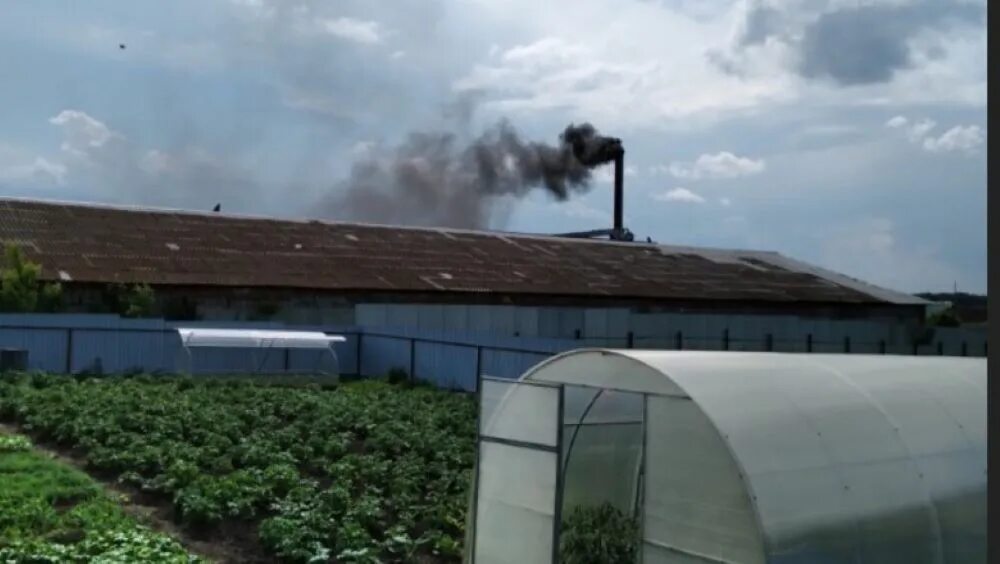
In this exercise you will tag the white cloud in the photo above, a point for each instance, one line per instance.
(38, 170)
(897, 122)
(717, 166)
(679, 195)
(350, 29)
(82, 132)
(725, 202)
(114, 167)
(617, 77)
(606, 174)
(920, 129)
(958, 138)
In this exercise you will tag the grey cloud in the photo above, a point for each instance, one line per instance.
(761, 22)
(854, 45)
(868, 44)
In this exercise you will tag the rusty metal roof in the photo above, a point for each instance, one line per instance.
(92, 243)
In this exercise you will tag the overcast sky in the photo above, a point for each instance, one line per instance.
(846, 133)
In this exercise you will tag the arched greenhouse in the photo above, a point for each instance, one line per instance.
(737, 457)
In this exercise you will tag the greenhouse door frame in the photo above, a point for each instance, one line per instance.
(641, 469)
(555, 450)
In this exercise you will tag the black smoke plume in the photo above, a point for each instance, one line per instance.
(433, 179)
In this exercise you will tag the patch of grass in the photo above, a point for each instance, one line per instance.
(50, 512)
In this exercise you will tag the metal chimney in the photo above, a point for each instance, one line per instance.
(619, 226)
(618, 232)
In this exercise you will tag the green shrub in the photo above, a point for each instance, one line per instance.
(14, 443)
(598, 535)
(20, 289)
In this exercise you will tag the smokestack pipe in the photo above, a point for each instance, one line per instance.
(619, 191)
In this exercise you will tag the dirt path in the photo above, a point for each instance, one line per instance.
(156, 516)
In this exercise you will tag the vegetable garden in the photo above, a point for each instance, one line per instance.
(360, 472)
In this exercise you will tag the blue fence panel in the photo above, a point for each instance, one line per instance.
(46, 347)
(311, 361)
(347, 354)
(443, 355)
(146, 351)
(95, 350)
(508, 364)
(446, 366)
(381, 354)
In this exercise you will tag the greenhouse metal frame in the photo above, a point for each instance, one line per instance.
(741, 457)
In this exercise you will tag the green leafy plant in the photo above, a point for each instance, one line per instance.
(139, 301)
(14, 443)
(598, 535)
(50, 512)
(20, 289)
(129, 300)
(361, 472)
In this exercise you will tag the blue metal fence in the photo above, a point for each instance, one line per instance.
(75, 343)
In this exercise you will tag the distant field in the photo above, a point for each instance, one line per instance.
(50, 512)
(361, 472)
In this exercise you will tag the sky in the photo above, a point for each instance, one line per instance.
(850, 134)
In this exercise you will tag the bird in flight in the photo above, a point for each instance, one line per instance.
(121, 45)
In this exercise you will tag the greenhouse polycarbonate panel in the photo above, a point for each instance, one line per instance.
(602, 442)
(602, 466)
(519, 412)
(516, 505)
(257, 338)
(696, 506)
(846, 457)
(810, 431)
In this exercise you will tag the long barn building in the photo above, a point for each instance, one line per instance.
(214, 266)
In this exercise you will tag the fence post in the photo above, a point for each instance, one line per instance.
(69, 351)
(940, 348)
(288, 360)
(769, 342)
(809, 342)
(965, 348)
(479, 363)
(630, 340)
(725, 339)
(680, 340)
(916, 348)
(413, 360)
(881, 347)
(576, 334)
(847, 344)
(358, 357)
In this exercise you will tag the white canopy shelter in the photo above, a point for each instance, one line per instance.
(259, 340)
(738, 457)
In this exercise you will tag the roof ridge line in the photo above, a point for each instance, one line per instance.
(342, 223)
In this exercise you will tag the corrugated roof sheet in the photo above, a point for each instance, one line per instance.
(91, 243)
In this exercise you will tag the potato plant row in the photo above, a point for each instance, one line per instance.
(361, 472)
